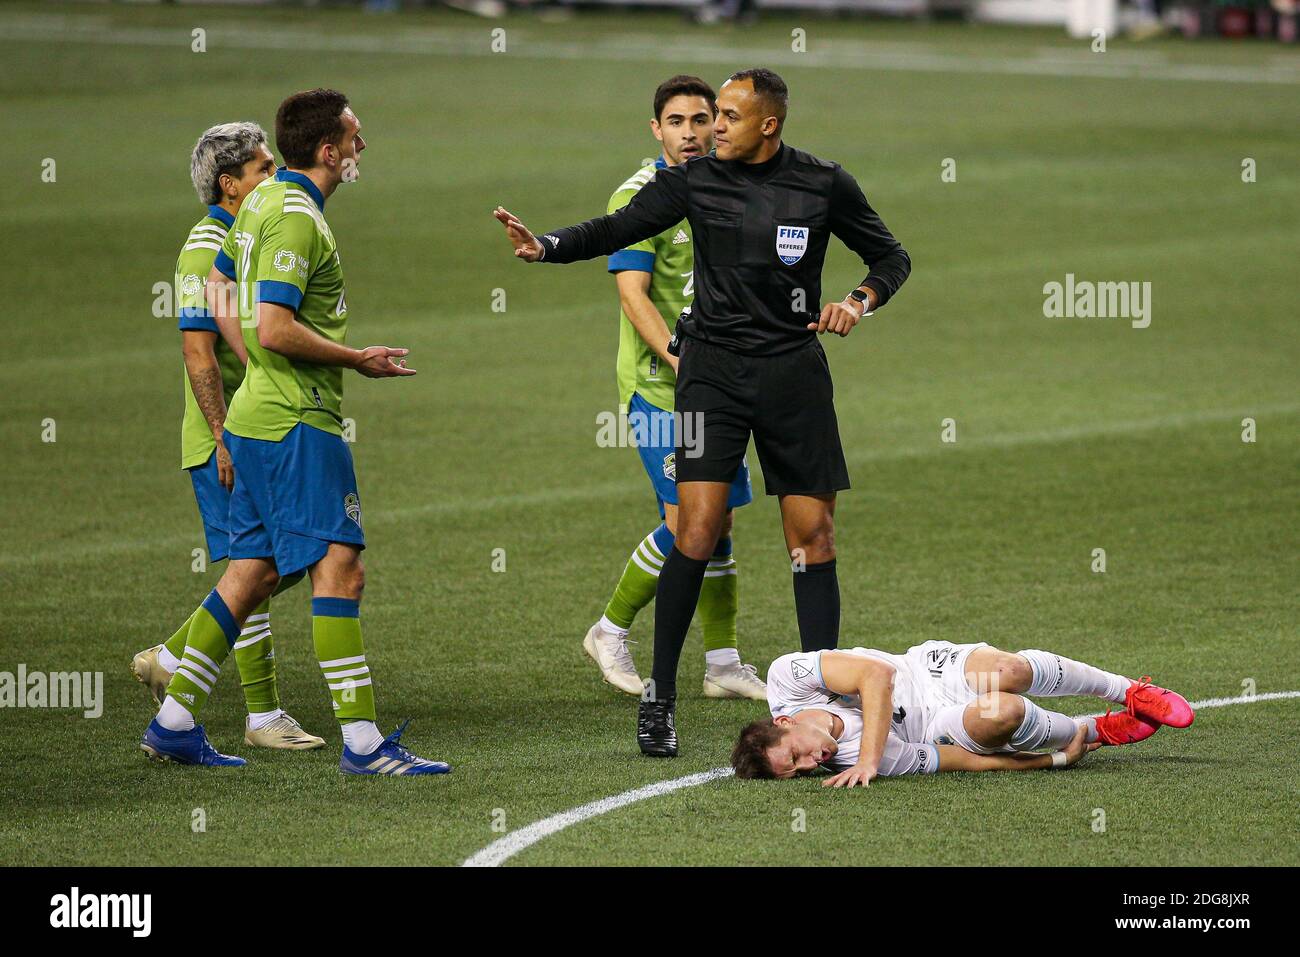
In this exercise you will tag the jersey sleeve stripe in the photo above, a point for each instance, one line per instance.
(193, 319)
(280, 293)
(225, 265)
(214, 246)
(636, 260)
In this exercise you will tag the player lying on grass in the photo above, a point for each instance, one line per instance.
(939, 707)
(228, 162)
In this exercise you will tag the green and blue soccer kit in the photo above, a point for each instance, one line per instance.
(254, 648)
(295, 488)
(645, 394)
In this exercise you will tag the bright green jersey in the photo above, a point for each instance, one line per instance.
(670, 261)
(281, 250)
(192, 268)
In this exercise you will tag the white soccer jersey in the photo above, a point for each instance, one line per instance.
(794, 683)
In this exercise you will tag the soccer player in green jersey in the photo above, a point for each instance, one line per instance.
(654, 289)
(295, 504)
(227, 163)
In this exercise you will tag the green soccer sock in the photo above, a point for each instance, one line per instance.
(336, 632)
(212, 633)
(255, 656)
(636, 588)
(175, 645)
(719, 599)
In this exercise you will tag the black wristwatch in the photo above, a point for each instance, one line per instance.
(860, 296)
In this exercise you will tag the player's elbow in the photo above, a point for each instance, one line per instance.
(270, 334)
(878, 674)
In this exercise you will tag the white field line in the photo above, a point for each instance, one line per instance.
(504, 848)
(1136, 65)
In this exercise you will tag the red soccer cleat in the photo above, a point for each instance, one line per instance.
(1120, 727)
(1158, 705)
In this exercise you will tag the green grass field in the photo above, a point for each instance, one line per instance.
(1071, 434)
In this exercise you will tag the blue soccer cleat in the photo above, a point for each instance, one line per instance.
(389, 758)
(184, 747)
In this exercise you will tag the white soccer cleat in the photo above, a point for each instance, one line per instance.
(614, 660)
(734, 681)
(284, 733)
(150, 673)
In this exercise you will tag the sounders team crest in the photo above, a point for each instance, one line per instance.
(352, 506)
(791, 243)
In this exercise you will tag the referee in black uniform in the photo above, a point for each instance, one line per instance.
(761, 214)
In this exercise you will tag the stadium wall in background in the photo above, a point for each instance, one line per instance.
(1235, 19)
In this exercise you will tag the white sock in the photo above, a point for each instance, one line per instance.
(362, 737)
(611, 629)
(1091, 725)
(1043, 729)
(1056, 676)
(257, 720)
(173, 716)
(721, 658)
(167, 660)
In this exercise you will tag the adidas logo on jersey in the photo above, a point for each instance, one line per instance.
(681, 237)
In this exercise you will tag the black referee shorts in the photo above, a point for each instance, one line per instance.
(785, 400)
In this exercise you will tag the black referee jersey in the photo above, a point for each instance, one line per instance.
(760, 232)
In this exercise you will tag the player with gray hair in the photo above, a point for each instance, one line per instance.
(219, 157)
(227, 164)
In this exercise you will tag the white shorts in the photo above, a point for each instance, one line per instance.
(938, 669)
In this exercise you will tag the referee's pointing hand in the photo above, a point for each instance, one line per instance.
(526, 245)
(837, 317)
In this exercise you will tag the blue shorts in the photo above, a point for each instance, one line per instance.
(654, 433)
(214, 507)
(292, 498)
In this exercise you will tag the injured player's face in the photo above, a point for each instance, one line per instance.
(805, 744)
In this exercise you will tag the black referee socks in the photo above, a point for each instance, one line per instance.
(675, 599)
(816, 604)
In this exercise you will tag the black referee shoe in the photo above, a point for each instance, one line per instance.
(656, 727)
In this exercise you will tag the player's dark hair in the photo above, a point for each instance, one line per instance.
(770, 87)
(306, 120)
(749, 756)
(683, 84)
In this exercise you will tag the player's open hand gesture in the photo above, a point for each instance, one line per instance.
(526, 245)
(837, 317)
(376, 362)
(858, 775)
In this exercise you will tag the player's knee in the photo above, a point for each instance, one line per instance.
(697, 539)
(1003, 710)
(818, 541)
(268, 581)
(355, 579)
(1014, 672)
(727, 521)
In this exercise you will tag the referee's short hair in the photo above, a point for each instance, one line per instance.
(683, 84)
(222, 150)
(770, 87)
(306, 120)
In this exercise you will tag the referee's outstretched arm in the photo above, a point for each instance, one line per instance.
(659, 204)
